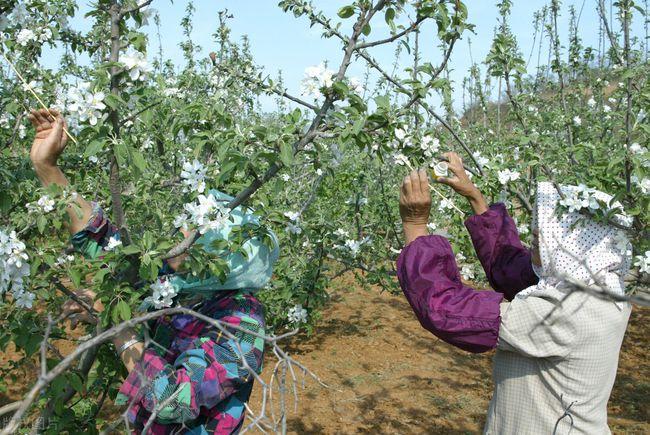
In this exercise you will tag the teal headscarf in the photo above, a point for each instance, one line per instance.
(250, 272)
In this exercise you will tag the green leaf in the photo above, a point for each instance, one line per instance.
(286, 153)
(40, 223)
(138, 160)
(75, 276)
(123, 310)
(93, 148)
(390, 15)
(366, 29)
(346, 12)
(130, 250)
(113, 101)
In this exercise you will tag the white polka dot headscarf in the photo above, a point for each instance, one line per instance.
(574, 246)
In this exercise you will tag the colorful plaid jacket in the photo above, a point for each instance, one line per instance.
(195, 372)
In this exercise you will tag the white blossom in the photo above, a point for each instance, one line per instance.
(293, 228)
(24, 299)
(14, 266)
(63, 259)
(400, 159)
(316, 77)
(356, 85)
(292, 215)
(44, 205)
(25, 36)
(467, 272)
(591, 102)
(606, 108)
(643, 184)
(285, 177)
(577, 121)
(400, 133)
(355, 245)
(181, 221)
(430, 145)
(297, 314)
(341, 233)
(643, 262)
(113, 243)
(85, 104)
(163, 293)
(482, 161)
(636, 148)
(193, 176)
(137, 65)
(207, 213)
(507, 175)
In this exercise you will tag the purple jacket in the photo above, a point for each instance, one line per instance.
(452, 311)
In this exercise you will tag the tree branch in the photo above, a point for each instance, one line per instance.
(395, 37)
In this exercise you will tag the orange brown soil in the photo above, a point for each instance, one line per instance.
(389, 376)
(393, 377)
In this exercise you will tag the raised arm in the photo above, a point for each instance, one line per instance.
(49, 143)
(430, 280)
(507, 263)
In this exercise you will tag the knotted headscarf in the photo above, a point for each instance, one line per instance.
(576, 247)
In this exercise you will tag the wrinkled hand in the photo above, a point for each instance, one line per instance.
(459, 181)
(415, 205)
(76, 313)
(50, 140)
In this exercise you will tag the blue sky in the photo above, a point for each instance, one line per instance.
(279, 41)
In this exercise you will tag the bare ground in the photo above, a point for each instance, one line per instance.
(387, 375)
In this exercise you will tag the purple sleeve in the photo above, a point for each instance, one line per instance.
(453, 312)
(507, 263)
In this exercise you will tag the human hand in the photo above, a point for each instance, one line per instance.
(76, 313)
(461, 183)
(415, 204)
(50, 139)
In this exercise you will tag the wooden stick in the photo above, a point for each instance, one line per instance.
(29, 88)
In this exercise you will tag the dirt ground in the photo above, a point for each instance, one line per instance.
(387, 375)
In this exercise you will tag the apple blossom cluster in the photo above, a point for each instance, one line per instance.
(25, 36)
(193, 176)
(44, 205)
(316, 78)
(297, 314)
(136, 64)
(643, 262)
(207, 213)
(583, 197)
(163, 293)
(113, 242)
(14, 268)
(293, 226)
(85, 104)
(354, 246)
(643, 184)
(507, 175)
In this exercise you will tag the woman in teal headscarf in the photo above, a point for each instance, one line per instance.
(191, 376)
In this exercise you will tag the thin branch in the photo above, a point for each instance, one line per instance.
(396, 36)
(124, 12)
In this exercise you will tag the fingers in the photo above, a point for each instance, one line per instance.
(58, 127)
(415, 182)
(424, 181)
(407, 188)
(32, 119)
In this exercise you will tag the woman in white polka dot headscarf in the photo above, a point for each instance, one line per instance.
(556, 347)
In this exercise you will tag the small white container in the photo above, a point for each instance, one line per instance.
(441, 169)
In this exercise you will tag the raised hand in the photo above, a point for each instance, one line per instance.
(415, 204)
(461, 183)
(50, 139)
